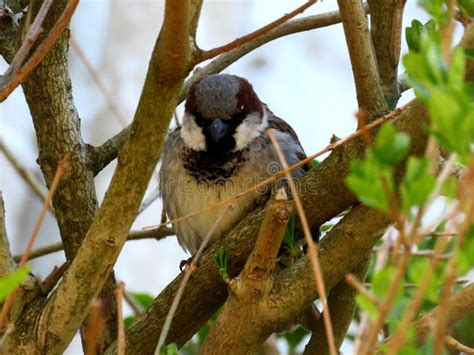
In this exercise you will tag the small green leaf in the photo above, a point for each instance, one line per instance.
(417, 184)
(367, 306)
(143, 299)
(169, 349)
(390, 147)
(467, 7)
(221, 261)
(450, 188)
(11, 281)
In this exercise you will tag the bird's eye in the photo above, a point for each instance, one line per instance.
(199, 119)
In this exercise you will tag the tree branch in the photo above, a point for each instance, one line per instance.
(43, 49)
(234, 331)
(169, 65)
(7, 264)
(155, 233)
(385, 28)
(364, 66)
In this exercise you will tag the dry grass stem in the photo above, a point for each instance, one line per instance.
(312, 247)
(109, 98)
(60, 170)
(120, 329)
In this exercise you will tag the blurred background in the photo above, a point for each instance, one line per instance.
(305, 78)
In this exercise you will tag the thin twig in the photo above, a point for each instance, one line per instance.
(98, 81)
(155, 233)
(359, 287)
(33, 32)
(40, 52)
(205, 55)
(120, 328)
(283, 172)
(134, 305)
(60, 170)
(312, 247)
(187, 274)
(450, 341)
(27, 177)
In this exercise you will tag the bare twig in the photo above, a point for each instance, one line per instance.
(204, 55)
(456, 345)
(370, 96)
(121, 330)
(95, 324)
(40, 52)
(155, 233)
(60, 170)
(7, 264)
(99, 82)
(312, 247)
(33, 32)
(30, 180)
(187, 274)
(283, 172)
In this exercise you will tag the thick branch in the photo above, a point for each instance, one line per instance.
(168, 67)
(385, 28)
(7, 264)
(234, 330)
(99, 157)
(48, 92)
(364, 66)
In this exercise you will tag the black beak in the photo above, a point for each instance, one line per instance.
(218, 129)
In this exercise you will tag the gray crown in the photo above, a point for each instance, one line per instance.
(216, 96)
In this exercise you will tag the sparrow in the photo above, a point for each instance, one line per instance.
(221, 149)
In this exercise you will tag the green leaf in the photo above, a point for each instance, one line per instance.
(365, 181)
(382, 281)
(294, 338)
(390, 147)
(221, 261)
(413, 34)
(11, 281)
(450, 188)
(367, 306)
(128, 321)
(143, 299)
(417, 184)
(291, 243)
(169, 349)
(467, 7)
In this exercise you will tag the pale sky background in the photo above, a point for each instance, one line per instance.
(304, 78)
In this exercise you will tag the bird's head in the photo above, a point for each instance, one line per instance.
(222, 113)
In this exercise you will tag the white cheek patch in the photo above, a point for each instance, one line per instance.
(192, 134)
(250, 128)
